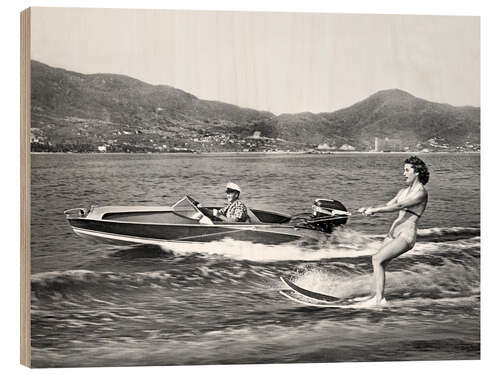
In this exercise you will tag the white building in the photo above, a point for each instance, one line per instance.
(346, 147)
(326, 146)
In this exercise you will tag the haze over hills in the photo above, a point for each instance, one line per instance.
(77, 112)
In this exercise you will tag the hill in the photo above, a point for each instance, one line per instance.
(396, 117)
(77, 109)
(400, 116)
(78, 112)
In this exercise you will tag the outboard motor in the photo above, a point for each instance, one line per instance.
(327, 214)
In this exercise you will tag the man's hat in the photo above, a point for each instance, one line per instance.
(231, 186)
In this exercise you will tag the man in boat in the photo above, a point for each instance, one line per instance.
(235, 210)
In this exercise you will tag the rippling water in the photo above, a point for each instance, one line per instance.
(97, 305)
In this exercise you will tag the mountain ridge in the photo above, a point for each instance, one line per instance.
(123, 113)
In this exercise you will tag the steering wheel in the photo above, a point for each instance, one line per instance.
(205, 211)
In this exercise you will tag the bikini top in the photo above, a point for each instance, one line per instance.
(412, 212)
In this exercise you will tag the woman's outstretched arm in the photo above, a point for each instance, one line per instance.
(392, 205)
(391, 202)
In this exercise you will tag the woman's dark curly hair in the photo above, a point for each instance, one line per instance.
(420, 168)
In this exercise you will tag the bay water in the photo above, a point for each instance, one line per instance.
(104, 305)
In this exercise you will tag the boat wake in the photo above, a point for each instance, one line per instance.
(453, 278)
(431, 272)
(240, 250)
(343, 243)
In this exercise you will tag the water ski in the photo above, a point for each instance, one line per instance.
(294, 296)
(310, 294)
(310, 298)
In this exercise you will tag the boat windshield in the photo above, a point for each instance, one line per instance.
(188, 207)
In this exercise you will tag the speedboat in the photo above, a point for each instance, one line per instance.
(188, 221)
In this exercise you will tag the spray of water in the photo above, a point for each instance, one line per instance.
(344, 243)
(447, 277)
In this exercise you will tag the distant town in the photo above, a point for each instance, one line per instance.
(147, 141)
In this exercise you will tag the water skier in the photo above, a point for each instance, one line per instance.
(410, 202)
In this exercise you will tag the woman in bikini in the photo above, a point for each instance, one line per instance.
(410, 202)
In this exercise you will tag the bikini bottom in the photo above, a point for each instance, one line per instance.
(407, 231)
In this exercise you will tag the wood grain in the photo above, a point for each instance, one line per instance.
(25, 188)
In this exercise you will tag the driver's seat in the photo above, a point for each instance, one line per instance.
(251, 218)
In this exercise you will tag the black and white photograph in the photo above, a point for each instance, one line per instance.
(239, 187)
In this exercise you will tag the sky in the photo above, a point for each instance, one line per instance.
(278, 62)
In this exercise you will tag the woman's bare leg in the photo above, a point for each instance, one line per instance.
(389, 251)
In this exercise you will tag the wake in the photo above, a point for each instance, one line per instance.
(343, 243)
